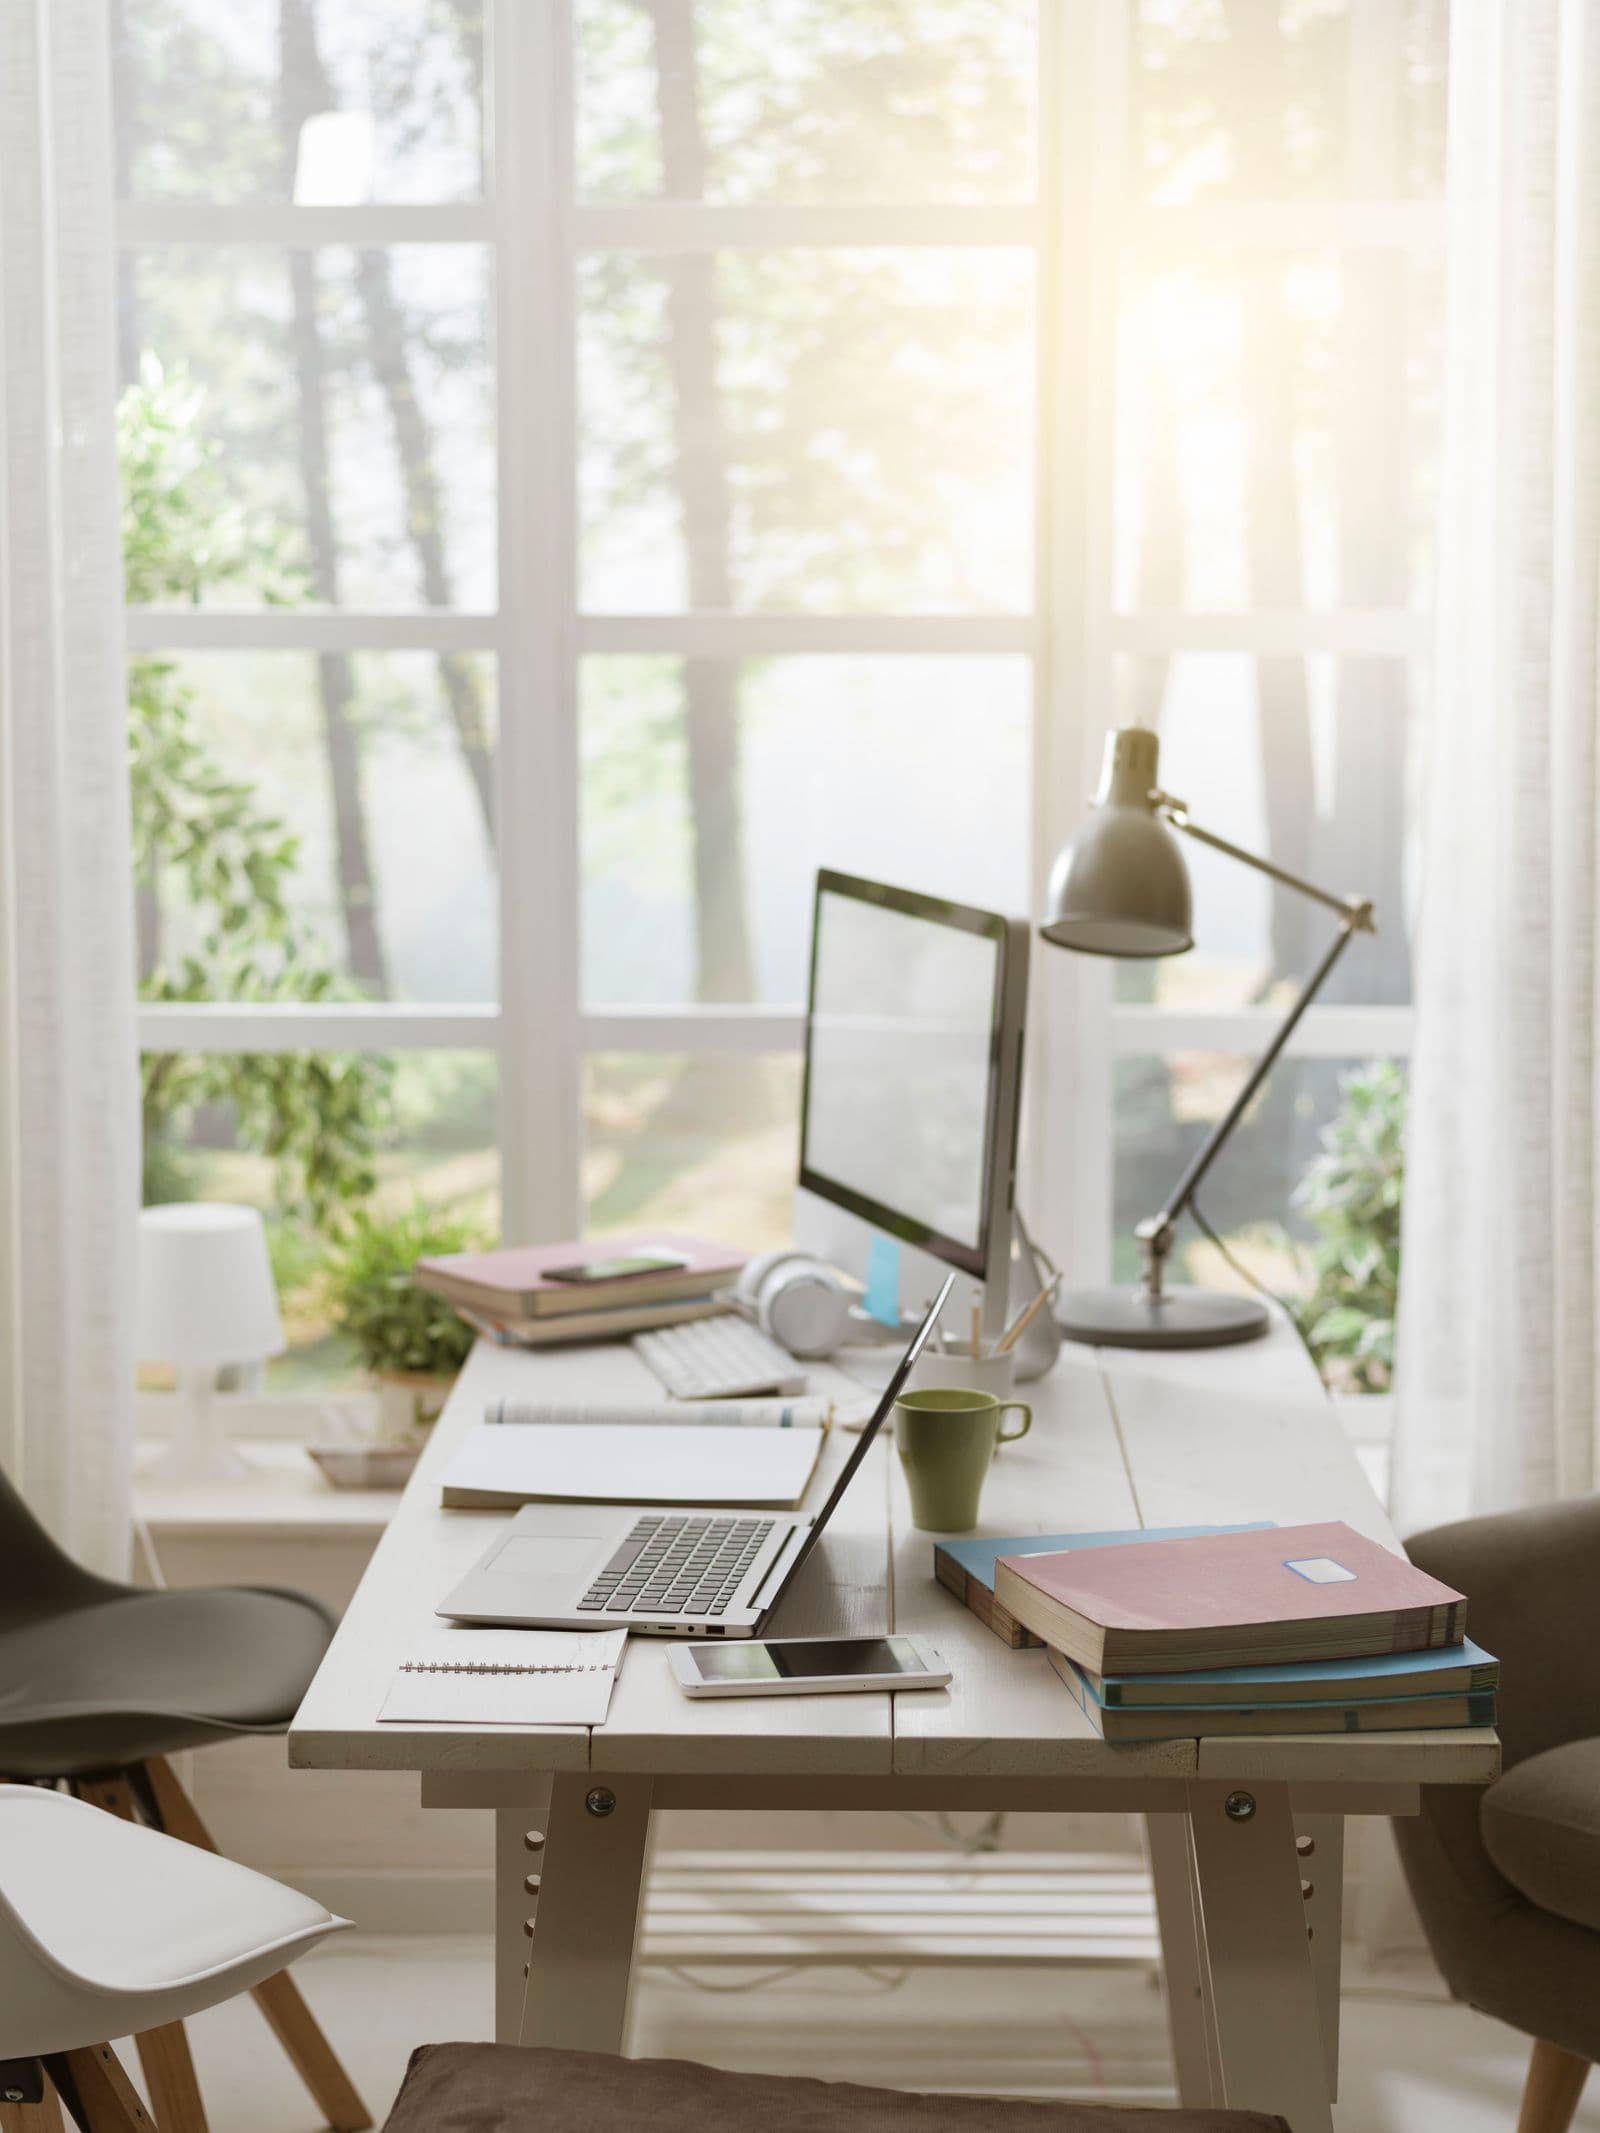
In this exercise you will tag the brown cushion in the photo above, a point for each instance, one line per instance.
(497, 2088)
(1540, 1825)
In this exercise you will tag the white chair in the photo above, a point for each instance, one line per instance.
(108, 1929)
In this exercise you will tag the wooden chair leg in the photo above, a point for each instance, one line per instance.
(98, 2093)
(164, 2053)
(41, 2117)
(279, 1999)
(1550, 2095)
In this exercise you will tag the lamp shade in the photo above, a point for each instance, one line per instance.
(1121, 886)
(206, 1293)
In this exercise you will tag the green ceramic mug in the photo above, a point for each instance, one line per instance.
(946, 1435)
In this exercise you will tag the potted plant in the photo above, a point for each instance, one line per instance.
(412, 1343)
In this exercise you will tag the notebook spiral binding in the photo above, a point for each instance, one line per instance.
(450, 1666)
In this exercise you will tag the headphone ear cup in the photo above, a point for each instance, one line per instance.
(806, 1310)
(753, 1278)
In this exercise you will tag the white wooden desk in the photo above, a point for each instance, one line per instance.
(1118, 1440)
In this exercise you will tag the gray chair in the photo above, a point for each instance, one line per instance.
(1507, 1880)
(100, 1683)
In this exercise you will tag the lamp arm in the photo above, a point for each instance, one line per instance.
(1356, 908)
(1155, 1234)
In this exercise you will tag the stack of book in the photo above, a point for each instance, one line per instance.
(512, 1297)
(1165, 1634)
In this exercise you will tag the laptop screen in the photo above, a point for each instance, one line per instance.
(880, 1414)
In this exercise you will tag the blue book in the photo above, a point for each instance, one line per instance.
(1426, 1712)
(1464, 1669)
(966, 1567)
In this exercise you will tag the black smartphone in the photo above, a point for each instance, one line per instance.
(619, 1268)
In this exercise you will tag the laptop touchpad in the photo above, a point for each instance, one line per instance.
(538, 1555)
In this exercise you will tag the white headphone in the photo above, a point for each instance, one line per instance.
(798, 1300)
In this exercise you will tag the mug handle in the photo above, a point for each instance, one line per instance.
(1017, 1407)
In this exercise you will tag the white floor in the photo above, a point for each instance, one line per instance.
(1412, 2063)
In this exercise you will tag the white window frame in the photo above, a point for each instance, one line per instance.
(1080, 229)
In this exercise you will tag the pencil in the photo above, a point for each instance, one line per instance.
(977, 1331)
(1019, 1326)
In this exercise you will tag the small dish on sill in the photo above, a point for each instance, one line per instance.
(365, 1466)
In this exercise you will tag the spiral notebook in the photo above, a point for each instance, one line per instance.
(507, 1677)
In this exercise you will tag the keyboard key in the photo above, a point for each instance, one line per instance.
(626, 1556)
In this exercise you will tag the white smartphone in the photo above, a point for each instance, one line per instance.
(806, 1666)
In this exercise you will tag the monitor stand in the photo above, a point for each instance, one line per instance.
(1030, 1271)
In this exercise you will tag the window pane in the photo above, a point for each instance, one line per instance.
(346, 401)
(712, 791)
(710, 1145)
(347, 796)
(805, 101)
(1262, 99)
(419, 1124)
(1322, 1233)
(1313, 763)
(795, 429)
(1277, 431)
(324, 102)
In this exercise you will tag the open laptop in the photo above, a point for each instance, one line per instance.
(674, 1572)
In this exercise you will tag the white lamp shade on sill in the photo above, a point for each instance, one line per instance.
(206, 1293)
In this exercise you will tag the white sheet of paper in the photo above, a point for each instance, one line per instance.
(650, 1462)
(507, 1677)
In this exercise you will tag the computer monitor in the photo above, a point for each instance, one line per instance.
(913, 1082)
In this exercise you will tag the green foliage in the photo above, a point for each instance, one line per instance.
(1351, 1195)
(201, 837)
(394, 1325)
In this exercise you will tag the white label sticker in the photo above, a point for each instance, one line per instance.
(1321, 1570)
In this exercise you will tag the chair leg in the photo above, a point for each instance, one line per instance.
(40, 2116)
(164, 2053)
(1550, 2095)
(279, 1999)
(97, 2092)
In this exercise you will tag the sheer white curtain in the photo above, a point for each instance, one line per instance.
(68, 1063)
(1499, 1320)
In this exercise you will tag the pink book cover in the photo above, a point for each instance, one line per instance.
(521, 1270)
(1281, 1574)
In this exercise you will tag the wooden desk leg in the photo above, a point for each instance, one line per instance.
(1263, 1991)
(587, 1913)
(520, 1838)
(1188, 2022)
(1319, 1843)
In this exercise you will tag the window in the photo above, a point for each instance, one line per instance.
(590, 464)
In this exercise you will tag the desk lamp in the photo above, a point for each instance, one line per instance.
(206, 1297)
(1121, 888)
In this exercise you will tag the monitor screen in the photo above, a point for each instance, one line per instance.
(902, 1051)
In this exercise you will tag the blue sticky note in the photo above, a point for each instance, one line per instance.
(882, 1300)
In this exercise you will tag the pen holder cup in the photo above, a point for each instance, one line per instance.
(970, 1373)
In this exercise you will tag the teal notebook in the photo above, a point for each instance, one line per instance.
(966, 1567)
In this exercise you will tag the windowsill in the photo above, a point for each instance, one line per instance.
(282, 1495)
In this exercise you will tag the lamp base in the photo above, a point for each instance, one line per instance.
(1128, 1317)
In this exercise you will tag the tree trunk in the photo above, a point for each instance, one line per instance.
(724, 967)
(1253, 62)
(1364, 847)
(306, 91)
(146, 894)
(459, 676)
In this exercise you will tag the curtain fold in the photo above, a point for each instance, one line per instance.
(1496, 1401)
(69, 1125)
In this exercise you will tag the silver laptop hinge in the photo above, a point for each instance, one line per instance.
(779, 1562)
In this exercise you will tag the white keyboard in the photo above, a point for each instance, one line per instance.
(718, 1359)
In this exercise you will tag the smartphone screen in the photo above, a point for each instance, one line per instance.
(804, 1659)
(618, 1269)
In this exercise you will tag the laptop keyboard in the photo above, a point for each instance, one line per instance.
(690, 1565)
